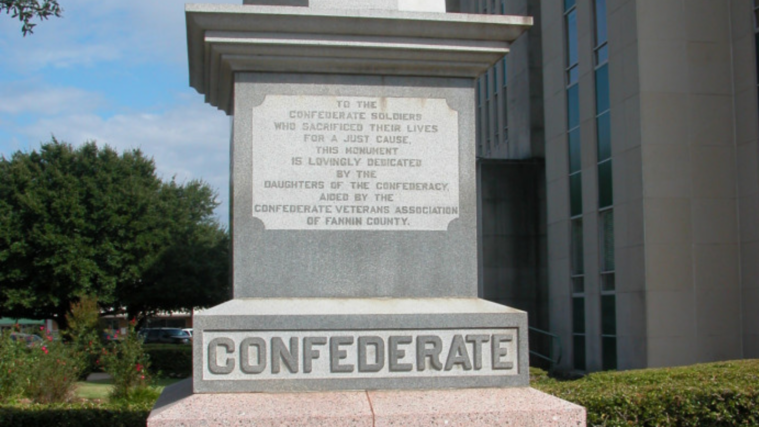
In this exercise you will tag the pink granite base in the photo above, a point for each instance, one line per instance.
(465, 407)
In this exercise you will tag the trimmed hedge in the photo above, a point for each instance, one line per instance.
(170, 360)
(715, 394)
(74, 415)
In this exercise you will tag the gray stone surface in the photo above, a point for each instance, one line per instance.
(226, 39)
(343, 263)
(354, 208)
(408, 5)
(311, 344)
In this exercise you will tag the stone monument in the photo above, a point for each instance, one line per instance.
(354, 221)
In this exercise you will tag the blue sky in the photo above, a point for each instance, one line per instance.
(114, 72)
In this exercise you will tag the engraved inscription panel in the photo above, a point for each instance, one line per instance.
(355, 163)
(293, 355)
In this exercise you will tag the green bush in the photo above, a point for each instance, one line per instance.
(83, 331)
(53, 369)
(170, 360)
(716, 394)
(13, 367)
(127, 362)
(44, 372)
(74, 415)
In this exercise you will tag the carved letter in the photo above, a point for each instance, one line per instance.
(336, 355)
(280, 353)
(379, 354)
(309, 353)
(499, 352)
(396, 354)
(477, 340)
(422, 352)
(213, 363)
(260, 346)
(457, 354)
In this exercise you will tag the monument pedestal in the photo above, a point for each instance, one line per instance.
(354, 223)
(324, 344)
(514, 406)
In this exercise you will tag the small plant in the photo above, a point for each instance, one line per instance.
(127, 362)
(83, 320)
(52, 371)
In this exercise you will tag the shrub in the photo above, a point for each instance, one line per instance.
(717, 394)
(52, 370)
(170, 360)
(75, 415)
(83, 321)
(127, 362)
(13, 367)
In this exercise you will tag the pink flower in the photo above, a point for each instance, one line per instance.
(139, 367)
(142, 377)
(49, 338)
(42, 328)
(44, 349)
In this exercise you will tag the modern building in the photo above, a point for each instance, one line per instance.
(620, 178)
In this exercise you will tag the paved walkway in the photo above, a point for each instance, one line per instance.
(96, 376)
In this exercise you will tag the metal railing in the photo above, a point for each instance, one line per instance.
(554, 349)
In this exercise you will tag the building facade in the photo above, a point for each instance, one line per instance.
(642, 116)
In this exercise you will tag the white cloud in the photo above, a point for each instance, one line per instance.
(37, 98)
(190, 141)
(94, 31)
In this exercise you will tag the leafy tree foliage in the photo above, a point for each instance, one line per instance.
(88, 221)
(26, 10)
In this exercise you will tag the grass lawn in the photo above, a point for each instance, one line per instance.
(99, 389)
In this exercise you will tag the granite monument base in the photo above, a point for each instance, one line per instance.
(515, 406)
(333, 344)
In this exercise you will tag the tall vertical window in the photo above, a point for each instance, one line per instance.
(577, 278)
(480, 115)
(756, 39)
(605, 191)
(488, 110)
(505, 96)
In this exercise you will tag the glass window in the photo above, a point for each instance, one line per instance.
(575, 194)
(573, 107)
(578, 285)
(578, 315)
(568, 4)
(505, 109)
(578, 255)
(603, 127)
(571, 20)
(606, 228)
(605, 191)
(608, 315)
(578, 343)
(601, 26)
(574, 150)
(505, 73)
(607, 282)
(609, 355)
(602, 89)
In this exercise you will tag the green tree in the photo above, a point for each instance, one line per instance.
(88, 221)
(26, 10)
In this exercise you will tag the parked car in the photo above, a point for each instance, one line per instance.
(188, 330)
(30, 339)
(164, 336)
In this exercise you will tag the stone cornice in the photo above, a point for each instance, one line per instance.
(225, 39)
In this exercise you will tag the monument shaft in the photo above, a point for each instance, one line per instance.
(354, 207)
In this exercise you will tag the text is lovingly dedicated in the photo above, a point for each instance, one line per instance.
(355, 163)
